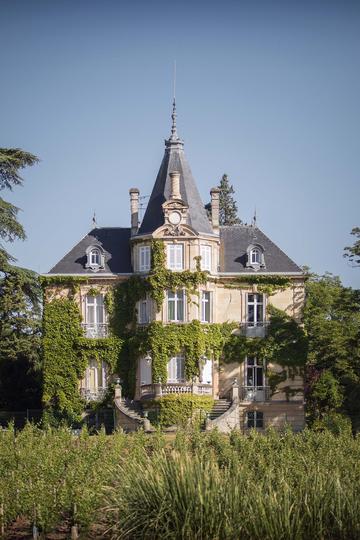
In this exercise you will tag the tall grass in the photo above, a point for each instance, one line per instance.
(197, 486)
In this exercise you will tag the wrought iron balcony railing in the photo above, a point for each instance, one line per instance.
(95, 330)
(258, 329)
(254, 393)
(93, 394)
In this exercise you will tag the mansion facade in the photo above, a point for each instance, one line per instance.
(233, 257)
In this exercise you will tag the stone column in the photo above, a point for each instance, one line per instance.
(175, 185)
(134, 209)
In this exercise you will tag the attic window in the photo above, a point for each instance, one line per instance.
(255, 257)
(95, 258)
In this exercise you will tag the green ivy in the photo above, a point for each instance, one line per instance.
(268, 284)
(176, 409)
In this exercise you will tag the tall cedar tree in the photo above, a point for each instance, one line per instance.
(20, 300)
(11, 161)
(332, 324)
(228, 207)
(353, 252)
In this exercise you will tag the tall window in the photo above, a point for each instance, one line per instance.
(95, 310)
(255, 256)
(176, 369)
(95, 381)
(95, 257)
(206, 306)
(255, 309)
(175, 300)
(254, 372)
(144, 258)
(175, 256)
(254, 419)
(144, 315)
(205, 252)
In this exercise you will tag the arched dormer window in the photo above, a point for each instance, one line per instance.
(255, 257)
(95, 258)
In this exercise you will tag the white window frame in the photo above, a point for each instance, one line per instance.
(95, 257)
(203, 303)
(144, 258)
(175, 257)
(256, 302)
(255, 256)
(179, 296)
(206, 257)
(258, 418)
(94, 304)
(176, 367)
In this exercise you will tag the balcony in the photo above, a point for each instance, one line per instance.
(254, 393)
(95, 330)
(159, 389)
(93, 394)
(256, 330)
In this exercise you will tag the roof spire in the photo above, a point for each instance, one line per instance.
(174, 135)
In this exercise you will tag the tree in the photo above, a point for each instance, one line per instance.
(20, 332)
(332, 324)
(11, 161)
(228, 207)
(353, 252)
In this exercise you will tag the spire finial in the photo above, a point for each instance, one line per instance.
(174, 135)
(94, 222)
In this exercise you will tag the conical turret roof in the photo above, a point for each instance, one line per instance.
(174, 160)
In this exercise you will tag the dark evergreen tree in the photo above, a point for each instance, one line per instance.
(353, 252)
(11, 161)
(228, 207)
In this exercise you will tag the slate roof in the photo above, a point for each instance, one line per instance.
(234, 241)
(116, 246)
(175, 160)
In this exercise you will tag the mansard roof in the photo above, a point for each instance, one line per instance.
(234, 243)
(115, 244)
(175, 160)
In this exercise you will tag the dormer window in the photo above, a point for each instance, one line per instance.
(255, 257)
(95, 258)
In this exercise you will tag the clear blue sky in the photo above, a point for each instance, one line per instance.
(267, 92)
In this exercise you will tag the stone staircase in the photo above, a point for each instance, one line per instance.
(128, 415)
(219, 408)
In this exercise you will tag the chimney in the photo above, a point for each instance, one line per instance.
(215, 208)
(175, 185)
(134, 209)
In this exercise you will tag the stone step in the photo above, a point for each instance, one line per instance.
(219, 408)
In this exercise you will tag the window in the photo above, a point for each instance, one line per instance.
(205, 306)
(176, 369)
(95, 258)
(254, 372)
(144, 315)
(175, 256)
(205, 252)
(95, 311)
(144, 258)
(255, 256)
(175, 301)
(94, 384)
(255, 309)
(254, 419)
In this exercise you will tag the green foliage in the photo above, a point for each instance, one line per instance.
(228, 207)
(71, 282)
(352, 253)
(332, 325)
(11, 161)
(268, 284)
(178, 409)
(336, 423)
(63, 366)
(20, 325)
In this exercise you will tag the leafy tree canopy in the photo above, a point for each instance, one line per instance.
(332, 324)
(353, 252)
